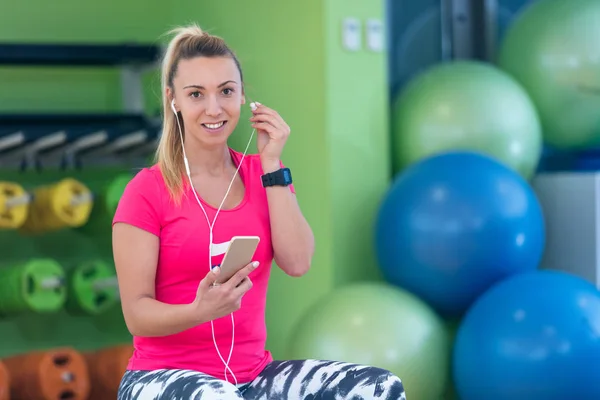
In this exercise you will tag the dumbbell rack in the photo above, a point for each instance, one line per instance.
(93, 148)
(35, 140)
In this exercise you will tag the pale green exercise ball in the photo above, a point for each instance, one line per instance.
(379, 325)
(553, 49)
(466, 105)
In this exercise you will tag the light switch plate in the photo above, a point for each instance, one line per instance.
(375, 35)
(351, 34)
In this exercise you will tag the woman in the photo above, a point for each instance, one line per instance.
(200, 194)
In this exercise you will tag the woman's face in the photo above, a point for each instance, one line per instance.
(209, 95)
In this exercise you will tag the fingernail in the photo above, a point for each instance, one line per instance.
(255, 264)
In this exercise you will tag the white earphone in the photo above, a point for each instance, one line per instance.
(210, 226)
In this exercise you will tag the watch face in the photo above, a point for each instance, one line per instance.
(287, 177)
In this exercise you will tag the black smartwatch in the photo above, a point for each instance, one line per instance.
(281, 177)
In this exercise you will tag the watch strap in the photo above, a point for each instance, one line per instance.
(281, 177)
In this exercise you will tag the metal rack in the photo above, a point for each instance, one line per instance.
(64, 140)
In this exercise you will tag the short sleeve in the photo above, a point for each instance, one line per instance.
(140, 203)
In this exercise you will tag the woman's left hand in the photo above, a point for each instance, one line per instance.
(272, 133)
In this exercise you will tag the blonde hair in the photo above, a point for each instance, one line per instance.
(188, 42)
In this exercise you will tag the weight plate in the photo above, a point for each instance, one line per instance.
(92, 288)
(14, 205)
(37, 285)
(59, 373)
(43, 285)
(71, 202)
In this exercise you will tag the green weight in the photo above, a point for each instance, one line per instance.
(33, 286)
(106, 199)
(92, 289)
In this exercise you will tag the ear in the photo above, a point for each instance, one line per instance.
(243, 99)
(169, 93)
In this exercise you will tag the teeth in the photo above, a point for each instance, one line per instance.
(214, 126)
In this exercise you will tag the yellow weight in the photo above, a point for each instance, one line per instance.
(65, 204)
(14, 205)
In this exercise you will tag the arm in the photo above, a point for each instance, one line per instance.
(136, 243)
(136, 254)
(293, 240)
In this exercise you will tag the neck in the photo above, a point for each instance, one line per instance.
(214, 160)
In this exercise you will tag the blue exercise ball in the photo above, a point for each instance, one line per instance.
(453, 224)
(533, 336)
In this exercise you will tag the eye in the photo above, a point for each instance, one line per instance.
(195, 94)
(227, 91)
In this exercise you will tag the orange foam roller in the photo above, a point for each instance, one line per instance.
(106, 368)
(53, 374)
(4, 382)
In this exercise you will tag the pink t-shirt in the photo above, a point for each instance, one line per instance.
(182, 264)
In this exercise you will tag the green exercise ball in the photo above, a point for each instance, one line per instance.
(466, 105)
(382, 326)
(553, 49)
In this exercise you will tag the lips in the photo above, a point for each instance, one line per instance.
(214, 126)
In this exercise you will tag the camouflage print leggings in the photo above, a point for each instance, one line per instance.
(280, 380)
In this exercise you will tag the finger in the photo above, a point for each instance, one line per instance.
(210, 278)
(266, 112)
(266, 118)
(242, 288)
(262, 109)
(244, 280)
(273, 132)
(265, 126)
(241, 274)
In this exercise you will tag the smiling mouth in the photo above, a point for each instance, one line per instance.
(214, 126)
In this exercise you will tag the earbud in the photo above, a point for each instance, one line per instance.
(253, 106)
(173, 106)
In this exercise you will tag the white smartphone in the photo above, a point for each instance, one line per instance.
(239, 253)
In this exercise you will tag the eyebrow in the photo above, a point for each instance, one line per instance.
(202, 87)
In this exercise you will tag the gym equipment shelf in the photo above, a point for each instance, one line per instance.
(28, 140)
(112, 146)
(132, 59)
(77, 55)
(53, 137)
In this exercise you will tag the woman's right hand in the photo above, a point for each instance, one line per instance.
(213, 302)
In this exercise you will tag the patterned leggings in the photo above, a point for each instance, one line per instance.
(280, 380)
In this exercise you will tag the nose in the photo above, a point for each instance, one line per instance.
(213, 107)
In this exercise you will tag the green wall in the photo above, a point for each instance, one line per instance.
(293, 61)
(357, 130)
(74, 89)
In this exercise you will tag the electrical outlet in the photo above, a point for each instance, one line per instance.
(375, 35)
(351, 34)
